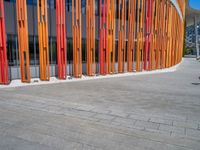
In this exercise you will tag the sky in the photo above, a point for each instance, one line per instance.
(195, 4)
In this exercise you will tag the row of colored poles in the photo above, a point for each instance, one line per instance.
(151, 32)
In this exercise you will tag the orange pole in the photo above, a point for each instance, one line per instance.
(148, 35)
(121, 35)
(110, 36)
(182, 28)
(140, 35)
(43, 39)
(169, 34)
(22, 28)
(166, 23)
(107, 37)
(158, 38)
(77, 37)
(152, 49)
(166, 30)
(131, 34)
(90, 33)
(173, 37)
(155, 47)
(103, 37)
(163, 42)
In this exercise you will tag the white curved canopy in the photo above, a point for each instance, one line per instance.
(175, 3)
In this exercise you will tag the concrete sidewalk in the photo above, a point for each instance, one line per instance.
(152, 112)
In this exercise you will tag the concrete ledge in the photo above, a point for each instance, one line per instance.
(53, 80)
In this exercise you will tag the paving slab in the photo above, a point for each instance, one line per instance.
(144, 112)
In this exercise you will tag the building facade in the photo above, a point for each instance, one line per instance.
(46, 38)
(190, 37)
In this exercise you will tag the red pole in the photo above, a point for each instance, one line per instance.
(3, 53)
(148, 32)
(61, 38)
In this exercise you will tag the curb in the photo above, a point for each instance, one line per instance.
(54, 80)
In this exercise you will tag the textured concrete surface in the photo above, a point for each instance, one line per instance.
(149, 112)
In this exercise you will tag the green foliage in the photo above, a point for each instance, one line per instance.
(188, 50)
